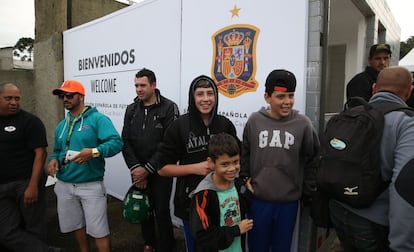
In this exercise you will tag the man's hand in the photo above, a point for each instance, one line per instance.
(248, 183)
(30, 195)
(52, 167)
(139, 174)
(84, 156)
(245, 225)
(142, 185)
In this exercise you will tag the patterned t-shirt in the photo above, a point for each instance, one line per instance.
(230, 214)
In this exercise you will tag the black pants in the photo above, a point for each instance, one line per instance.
(356, 233)
(22, 228)
(159, 192)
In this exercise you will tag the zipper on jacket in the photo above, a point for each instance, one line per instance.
(145, 117)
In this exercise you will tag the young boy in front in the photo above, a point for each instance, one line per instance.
(216, 213)
(279, 155)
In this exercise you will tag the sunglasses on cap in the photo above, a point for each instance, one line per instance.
(67, 95)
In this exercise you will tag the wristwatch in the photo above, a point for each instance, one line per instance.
(95, 153)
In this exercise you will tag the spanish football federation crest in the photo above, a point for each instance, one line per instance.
(234, 59)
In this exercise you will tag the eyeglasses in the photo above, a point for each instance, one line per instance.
(67, 95)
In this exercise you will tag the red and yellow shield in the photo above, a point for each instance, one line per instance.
(234, 59)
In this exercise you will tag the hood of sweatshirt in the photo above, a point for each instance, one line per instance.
(208, 184)
(192, 109)
(69, 118)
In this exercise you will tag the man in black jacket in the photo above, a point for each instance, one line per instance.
(144, 124)
(361, 84)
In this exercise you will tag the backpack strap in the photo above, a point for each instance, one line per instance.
(356, 101)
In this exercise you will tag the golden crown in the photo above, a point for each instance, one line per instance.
(233, 38)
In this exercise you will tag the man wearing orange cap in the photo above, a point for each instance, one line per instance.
(82, 141)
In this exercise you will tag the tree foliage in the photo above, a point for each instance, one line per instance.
(23, 49)
(406, 46)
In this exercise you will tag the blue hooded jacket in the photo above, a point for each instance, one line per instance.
(90, 130)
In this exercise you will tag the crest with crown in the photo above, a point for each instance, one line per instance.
(234, 59)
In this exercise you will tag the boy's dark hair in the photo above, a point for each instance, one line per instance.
(146, 73)
(223, 143)
(203, 83)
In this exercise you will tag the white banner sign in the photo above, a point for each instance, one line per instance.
(236, 43)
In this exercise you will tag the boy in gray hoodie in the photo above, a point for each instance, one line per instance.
(279, 154)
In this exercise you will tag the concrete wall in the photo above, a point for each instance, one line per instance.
(314, 64)
(387, 29)
(6, 58)
(23, 79)
(356, 25)
(52, 17)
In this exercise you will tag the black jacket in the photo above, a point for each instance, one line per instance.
(205, 215)
(144, 127)
(186, 142)
(361, 84)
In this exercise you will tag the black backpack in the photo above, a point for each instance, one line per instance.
(349, 170)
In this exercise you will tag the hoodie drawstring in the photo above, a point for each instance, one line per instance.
(64, 127)
(81, 123)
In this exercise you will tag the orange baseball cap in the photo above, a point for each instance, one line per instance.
(70, 86)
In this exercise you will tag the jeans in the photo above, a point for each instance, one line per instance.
(189, 240)
(273, 227)
(22, 228)
(356, 233)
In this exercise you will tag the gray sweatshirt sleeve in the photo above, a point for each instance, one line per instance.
(401, 211)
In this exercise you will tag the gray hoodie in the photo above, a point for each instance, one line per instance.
(280, 155)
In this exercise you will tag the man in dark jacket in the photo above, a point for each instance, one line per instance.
(186, 141)
(361, 84)
(144, 124)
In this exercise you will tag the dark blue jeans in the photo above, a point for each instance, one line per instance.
(356, 233)
(22, 228)
(274, 223)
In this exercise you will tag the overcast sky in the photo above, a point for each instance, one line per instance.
(17, 19)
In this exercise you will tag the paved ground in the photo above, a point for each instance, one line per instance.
(125, 237)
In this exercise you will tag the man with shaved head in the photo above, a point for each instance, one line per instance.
(388, 224)
(22, 177)
(396, 80)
